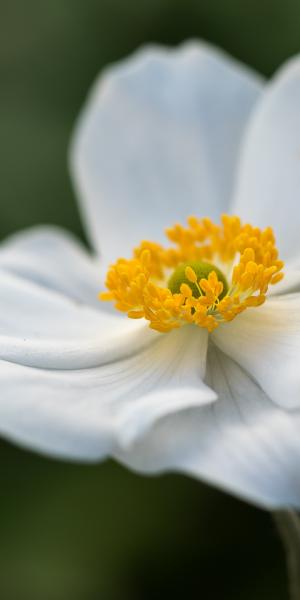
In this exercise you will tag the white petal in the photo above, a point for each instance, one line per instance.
(48, 411)
(269, 176)
(42, 328)
(84, 413)
(175, 369)
(158, 140)
(266, 342)
(291, 281)
(49, 289)
(242, 443)
(54, 259)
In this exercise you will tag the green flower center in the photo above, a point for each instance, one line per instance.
(202, 271)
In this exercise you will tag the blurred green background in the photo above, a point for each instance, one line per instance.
(73, 532)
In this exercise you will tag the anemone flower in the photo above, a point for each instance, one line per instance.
(203, 377)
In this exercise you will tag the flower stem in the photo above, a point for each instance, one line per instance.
(288, 525)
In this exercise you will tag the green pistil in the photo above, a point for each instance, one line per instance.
(202, 270)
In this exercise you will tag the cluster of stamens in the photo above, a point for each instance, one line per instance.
(212, 273)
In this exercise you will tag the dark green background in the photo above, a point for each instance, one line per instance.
(70, 532)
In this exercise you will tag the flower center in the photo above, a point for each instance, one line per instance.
(179, 284)
(194, 274)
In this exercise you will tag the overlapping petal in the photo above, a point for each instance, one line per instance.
(85, 413)
(242, 443)
(41, 328)
(53, 259)
(158, 140)
(266, 342)
(269, 176)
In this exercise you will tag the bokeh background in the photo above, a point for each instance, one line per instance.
(74, 532)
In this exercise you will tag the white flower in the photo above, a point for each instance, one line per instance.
(161, 138)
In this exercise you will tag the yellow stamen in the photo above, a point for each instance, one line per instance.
(190, 274)
(197, 291)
